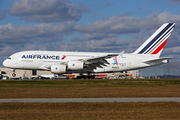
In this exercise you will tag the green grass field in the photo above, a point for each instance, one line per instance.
(90, 89)
(90, 111)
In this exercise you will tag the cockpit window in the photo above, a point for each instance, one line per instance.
(9, 58)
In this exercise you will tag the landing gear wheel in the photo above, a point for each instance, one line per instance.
(84, 77)
(13, 74)
(93, 76)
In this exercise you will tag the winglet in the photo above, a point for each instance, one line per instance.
(121, 54)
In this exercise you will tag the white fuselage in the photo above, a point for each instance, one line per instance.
(90, 62)
(41, 60)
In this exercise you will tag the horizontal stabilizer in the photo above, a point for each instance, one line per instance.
(164, 59)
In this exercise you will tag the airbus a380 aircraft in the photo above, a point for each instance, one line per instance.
(62, 62)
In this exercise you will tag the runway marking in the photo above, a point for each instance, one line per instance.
(66, 100)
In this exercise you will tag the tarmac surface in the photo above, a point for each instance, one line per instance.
(65, 100)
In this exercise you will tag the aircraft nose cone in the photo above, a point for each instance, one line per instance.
(6, 63)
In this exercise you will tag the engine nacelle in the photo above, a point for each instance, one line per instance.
(75, 65)
(58, 68)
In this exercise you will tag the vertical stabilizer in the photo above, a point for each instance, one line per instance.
(155, 44)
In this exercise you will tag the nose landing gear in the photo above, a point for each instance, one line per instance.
(14, 74)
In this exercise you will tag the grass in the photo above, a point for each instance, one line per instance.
(90, 111)
(89, 88)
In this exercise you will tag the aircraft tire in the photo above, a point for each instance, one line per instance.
(93, 77)
(84, 77)
(13, 74)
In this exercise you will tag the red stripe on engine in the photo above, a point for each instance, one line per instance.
(160, 47)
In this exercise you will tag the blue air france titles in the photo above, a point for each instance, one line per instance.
(53, 57)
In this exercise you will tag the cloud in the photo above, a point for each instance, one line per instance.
(108, 3)
(12, 34)
(46, 10)
(6, 50)
(115, 24)
(97, 36)
(108, 45)
(126, 24)
(112, 34)
(2, 15)
(174, 1)
(140, 28)
(174, 50)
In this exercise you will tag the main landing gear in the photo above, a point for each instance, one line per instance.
(88, 76)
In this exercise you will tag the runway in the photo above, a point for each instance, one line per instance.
(79, 100)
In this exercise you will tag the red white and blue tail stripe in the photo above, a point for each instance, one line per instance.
(155, 44)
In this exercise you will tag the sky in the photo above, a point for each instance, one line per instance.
(89, 26)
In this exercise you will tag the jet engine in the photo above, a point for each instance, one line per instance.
(75, 65)
(58, 69)
(71, 65)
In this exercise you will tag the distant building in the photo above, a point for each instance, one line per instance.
(7, 73)
(126, 74)
(21, 74)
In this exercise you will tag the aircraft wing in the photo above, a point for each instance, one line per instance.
(157, 60)
(91, 62)
(97, 61)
